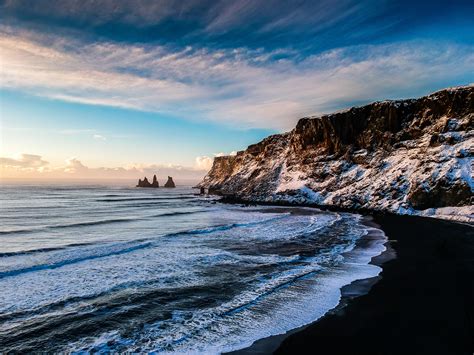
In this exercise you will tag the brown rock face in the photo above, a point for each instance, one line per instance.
(170, 182)
(382, 124)
(441, 194)
(391, 155)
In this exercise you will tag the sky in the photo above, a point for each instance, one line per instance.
(118, 89)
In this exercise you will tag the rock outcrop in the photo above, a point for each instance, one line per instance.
(146, 183)
(170, 182)
(404, 156)
(155, 182)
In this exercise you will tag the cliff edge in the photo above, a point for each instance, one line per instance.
(404, 156)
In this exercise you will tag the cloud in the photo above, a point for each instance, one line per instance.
(239, 87)
(26, 161)
(99, 137)
(74, 166)
(205, 162)
(255, 20)
(323, 24)
(92, 132)
(34, 167)
(76, 131)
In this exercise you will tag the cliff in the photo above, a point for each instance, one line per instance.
(404, 156)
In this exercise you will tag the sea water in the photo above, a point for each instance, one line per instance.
(97, 268)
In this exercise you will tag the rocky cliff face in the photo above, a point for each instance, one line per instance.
(405, 156)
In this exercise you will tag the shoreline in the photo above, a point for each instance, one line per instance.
(421, 302)
(429, 213)
(348, 292)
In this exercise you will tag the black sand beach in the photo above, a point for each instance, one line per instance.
(422, 304)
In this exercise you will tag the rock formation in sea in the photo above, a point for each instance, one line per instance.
(170, 182)
(410, 156)
(155, 182)
(146, 183)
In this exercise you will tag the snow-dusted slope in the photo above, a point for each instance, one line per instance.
(407, 156)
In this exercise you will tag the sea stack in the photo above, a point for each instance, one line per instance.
(146, 183)
(155, 182)
(170, 182)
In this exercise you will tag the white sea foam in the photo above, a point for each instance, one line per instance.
(284, 302)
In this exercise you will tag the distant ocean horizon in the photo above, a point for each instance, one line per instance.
(104, 182)
(116, 268)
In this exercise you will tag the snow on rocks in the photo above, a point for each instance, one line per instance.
(407, 157)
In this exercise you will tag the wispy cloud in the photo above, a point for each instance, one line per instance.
(305, 24)
(240, 87)
(76, 131)
(84, 132)
(255, 20)
(99, 137)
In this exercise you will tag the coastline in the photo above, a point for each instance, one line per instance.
(420, 303)
(456, 214)
(352, 290)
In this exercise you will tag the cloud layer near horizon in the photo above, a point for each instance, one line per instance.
(34, 167)
(240, 86)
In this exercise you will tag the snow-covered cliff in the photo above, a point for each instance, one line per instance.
(406, 156)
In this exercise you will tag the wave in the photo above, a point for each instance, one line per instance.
(41, 250)
(71, 261)
(20, 231)
(297, 297)
(60, 304)
(146, 199)
(216, 297)
(70, 225)
(177, 213)
(146, 243)
(267, 292)
(94, 223)
(224, 227)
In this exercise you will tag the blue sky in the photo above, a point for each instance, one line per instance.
(97, 88)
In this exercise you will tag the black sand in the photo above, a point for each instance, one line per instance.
(423, 304)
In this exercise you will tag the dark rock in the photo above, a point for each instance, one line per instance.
(442, 194)
(146, 183)
(170, 182)
(155, 182)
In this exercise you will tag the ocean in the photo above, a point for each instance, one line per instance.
(114, 269)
